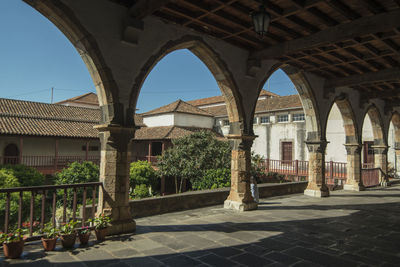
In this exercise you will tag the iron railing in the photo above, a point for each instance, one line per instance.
(46, 199)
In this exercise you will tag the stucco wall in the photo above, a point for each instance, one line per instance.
(42, 146)
(335, 150)
(190, 120)
(159, 120)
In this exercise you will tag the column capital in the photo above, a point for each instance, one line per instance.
(241, 141)
(317, 146)
(353, 148)
(114, 136)
(380, 149)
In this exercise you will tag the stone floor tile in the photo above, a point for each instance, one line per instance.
(181, 260)
(214, 260)
(248, 259)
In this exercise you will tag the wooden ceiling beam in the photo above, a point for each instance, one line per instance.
(370, 77)
(144, 8)
(362, 26)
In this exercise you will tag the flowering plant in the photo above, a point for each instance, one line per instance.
(101, 221)
(50, 231)
(69, 227)
(84, 230)
(14, 236)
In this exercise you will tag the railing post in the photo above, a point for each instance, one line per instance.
(296, 169)
(331, 171)
(267, 165)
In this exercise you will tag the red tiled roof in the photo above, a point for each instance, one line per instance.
(178, 106)
(40, 119)
(264, 105)
(167, 132)
(88, 98)
(220, 99)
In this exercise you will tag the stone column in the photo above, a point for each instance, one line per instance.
(316, 169)
(114, 173)
(397, 158)
(380, 158)
(240, 195)
(353, 181)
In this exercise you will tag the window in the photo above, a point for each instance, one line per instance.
(225, 122)
(255, 120)
(286, 152)
(283, 118)
(298, 117)
(265, 119)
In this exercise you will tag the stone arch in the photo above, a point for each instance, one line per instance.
(213, 62)
(349, 120)
(307, 97)
(377, 126)
(396, 126)
(65, 20)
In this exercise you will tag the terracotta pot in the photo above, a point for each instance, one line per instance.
(49, 244)
(84, 238)
(101, 234)
(68, 241)
(14, 249)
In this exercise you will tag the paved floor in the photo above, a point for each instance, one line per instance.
(346, 229)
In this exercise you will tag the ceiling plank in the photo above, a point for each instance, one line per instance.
(365, 25)
(144, 8)
(370, 77)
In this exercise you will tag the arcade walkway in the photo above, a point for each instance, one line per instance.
(346, 229)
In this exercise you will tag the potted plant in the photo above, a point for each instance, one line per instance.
(84, 234)
(100, 226)
(49, 240)
(68, 234)
(13, 243)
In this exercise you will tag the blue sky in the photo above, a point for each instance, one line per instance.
(35, 56)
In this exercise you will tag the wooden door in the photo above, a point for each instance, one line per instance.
(287, 152)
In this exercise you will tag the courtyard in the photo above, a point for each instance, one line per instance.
(346, 229)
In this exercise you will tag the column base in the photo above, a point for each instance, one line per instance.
(122, 227)
(240, 206)
(316, 193)
(353, 187)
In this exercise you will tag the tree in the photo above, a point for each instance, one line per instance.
(76, 173)
(192, 155)
(142, 173)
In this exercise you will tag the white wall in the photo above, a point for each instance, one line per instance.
(159, 120)
(335, 135)
(191, 120)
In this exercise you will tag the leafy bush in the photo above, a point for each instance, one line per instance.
(141, 191)
(76, 173)
(27, 176)
(7, 180)
(191, 156)
(141, 172)
(213, 179)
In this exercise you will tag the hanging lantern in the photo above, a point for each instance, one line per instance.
(261, 19)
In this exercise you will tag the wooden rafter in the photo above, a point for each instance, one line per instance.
(366, 78)
(350, 30)
(143, 8)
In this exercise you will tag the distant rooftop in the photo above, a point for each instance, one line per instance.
(179, 106)
(220, 99)
(88, 100)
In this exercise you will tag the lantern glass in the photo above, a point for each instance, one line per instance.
(261, 21)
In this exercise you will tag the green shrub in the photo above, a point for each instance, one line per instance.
(213, 179)
(27, 176)
(142, 173)
(141, 191)
(7, 180)
(76, 173)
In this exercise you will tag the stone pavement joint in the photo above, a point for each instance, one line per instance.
(346, 229)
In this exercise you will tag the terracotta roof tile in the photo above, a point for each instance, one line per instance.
(41, 119)
(264, 105)
(178, 106)
(220, 99)
(167, 132)
(88, 98)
